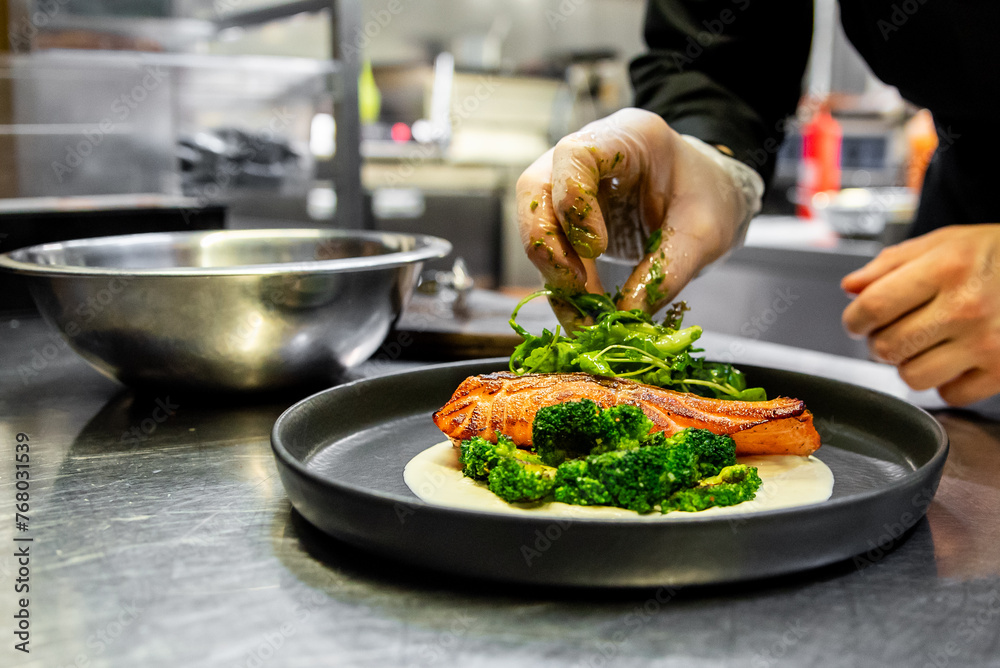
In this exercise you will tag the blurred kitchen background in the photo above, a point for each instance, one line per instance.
(413, 115)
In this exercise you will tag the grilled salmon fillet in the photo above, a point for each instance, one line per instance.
(505, 403)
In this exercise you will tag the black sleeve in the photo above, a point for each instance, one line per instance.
(726, 71)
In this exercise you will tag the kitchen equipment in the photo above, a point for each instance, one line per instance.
(101, 92)
(866, 213)
(341, 453)
(28, 221)
(225, 310)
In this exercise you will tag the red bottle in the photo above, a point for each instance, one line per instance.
(819, 169)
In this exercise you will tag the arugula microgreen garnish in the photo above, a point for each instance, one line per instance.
(628, 344)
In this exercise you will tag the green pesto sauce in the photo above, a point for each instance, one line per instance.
(653, 242)
(538, 243)
(578, 211)
(583, 240)
(654, 292)
(598, 161)
(533, 205)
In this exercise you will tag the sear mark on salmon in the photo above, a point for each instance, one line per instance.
(505, 403)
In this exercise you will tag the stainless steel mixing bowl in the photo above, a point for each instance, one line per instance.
(229, 310)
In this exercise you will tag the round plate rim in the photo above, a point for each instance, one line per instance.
(286, 458)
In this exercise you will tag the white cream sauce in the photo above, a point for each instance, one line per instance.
(435, 476)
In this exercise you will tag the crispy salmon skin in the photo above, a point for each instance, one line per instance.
(505, 403)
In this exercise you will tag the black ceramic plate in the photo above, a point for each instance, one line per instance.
(341, 455)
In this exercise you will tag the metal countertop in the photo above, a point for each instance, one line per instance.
(162, 537)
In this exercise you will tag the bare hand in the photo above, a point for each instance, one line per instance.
(931, 306)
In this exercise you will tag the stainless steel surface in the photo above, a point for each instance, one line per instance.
(170, 543)
(88, 123)
(228, 310)
(29, 221)
(108, 119)
(346, 168)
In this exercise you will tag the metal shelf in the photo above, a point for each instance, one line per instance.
(244, 78)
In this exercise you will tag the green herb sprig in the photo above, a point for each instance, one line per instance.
(628, 344)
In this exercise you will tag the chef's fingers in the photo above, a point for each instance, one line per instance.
(973, 385)
(936, 366)
(605, 149)
(568, 315)
(546, 245)
(913, 334)
(541, 235)
(666, 268)
(593, 279)
(698, 225)
(889, 297)
(889, 259)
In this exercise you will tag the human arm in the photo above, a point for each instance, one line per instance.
(931, 307)
(614, 185)
(726, 71)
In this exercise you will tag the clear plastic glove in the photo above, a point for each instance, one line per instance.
(931, 307)
(631, 187)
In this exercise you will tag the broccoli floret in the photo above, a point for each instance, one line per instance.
(478, 456)
(734, 484)
(516, 481)
(620, 428)
(512, 474)
(610, 458)
(640, 478)
(580, 428)
(574, 484)
(713, 452)
(565, 431)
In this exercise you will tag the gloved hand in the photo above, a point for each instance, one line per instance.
(931, 306)
(633, 188)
